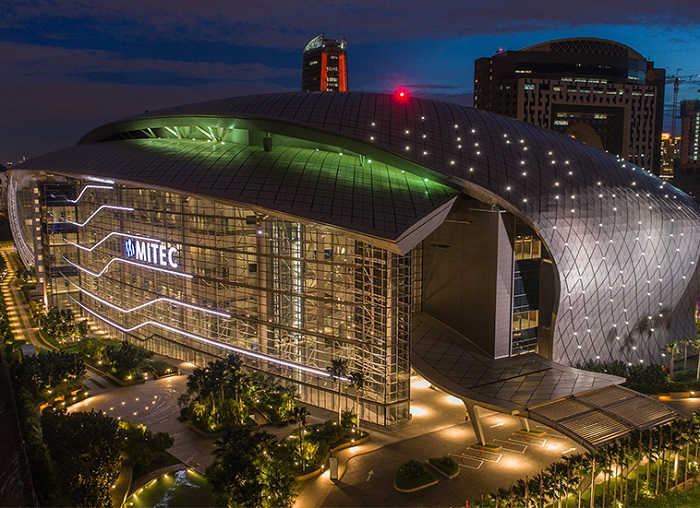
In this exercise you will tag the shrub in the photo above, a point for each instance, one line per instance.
(412, 474)
(348, 419)
(446, 464)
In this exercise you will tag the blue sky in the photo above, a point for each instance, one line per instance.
(67, 66)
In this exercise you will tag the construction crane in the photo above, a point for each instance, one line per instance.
(677, 78)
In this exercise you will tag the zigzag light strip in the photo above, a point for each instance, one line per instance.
(120, 260)
(111, 207)
(151, 302)
(89, 187)
(113, 233)
(243, 352)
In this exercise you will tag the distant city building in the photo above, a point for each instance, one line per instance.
(670, 154)
(687, 174)
(600, 92)
(325, 65)
(690, 137)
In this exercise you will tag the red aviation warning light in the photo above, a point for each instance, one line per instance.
(401, 94)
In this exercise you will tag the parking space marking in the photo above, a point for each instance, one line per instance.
(465, 461)
(483, 455)
(511, 446)
(534, 441)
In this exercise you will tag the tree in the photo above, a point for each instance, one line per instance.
(686, 341)
(672, 349)
(337, 370)
(357, 380)
(696, 345)
(299, 415)
(248, 471)
(86, 450)
(82, 329)
(126, 358)
(142, 445)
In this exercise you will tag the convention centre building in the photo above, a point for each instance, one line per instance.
(397, 233)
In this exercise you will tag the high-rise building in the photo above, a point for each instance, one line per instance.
(687, 174)
(325, 65)
(690, 137)
(670, 154)
(601, 92)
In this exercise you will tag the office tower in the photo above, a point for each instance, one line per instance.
(598, 91)
(687, 173)
(325, 66)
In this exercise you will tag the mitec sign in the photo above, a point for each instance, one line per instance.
(156, 253)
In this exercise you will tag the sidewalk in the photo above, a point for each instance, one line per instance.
(21, 323)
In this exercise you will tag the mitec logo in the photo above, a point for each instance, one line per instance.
(156, 253)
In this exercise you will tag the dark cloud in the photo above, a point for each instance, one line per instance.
(69, 65)
(283, 23)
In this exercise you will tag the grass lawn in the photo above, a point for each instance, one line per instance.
(690, 499)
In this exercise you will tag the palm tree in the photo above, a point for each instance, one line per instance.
(672, 349)
(357, 380)
(299, 415)
(696, 345)
(686, 341)
(337, 370)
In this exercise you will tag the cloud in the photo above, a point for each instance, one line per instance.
(24, 61)
(289, 23)
(50, 97)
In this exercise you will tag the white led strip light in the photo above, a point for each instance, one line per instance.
(111, 207)
(162, 299)
(102, 180)
(113, 233)
(120, 260)
(240, 351)
(89, 187)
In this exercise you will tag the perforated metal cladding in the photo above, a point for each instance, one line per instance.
(625, 245)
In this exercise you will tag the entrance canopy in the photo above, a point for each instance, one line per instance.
(588, 407)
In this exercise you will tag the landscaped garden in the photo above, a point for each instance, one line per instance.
(74, 457)
(637, 470)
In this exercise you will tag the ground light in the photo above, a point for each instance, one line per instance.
(454, 400)
(418, 411)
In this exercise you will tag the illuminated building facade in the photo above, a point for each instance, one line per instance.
(392, 232)
(670, 154)
(325, 65)
(601, 92)
(690, 137)
(687, 174)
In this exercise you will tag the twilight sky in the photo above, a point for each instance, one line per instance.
(67, 66)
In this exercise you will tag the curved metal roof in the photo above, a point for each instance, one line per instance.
(625, 243)
(593, 45)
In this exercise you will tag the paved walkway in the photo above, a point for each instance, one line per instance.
(437, 428)
(21, 323)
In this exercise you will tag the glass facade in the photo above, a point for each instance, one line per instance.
(526, 289)
(186, 276)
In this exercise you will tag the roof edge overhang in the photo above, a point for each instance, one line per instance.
(400, 245)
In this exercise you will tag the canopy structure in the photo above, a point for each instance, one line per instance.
(588, 407)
